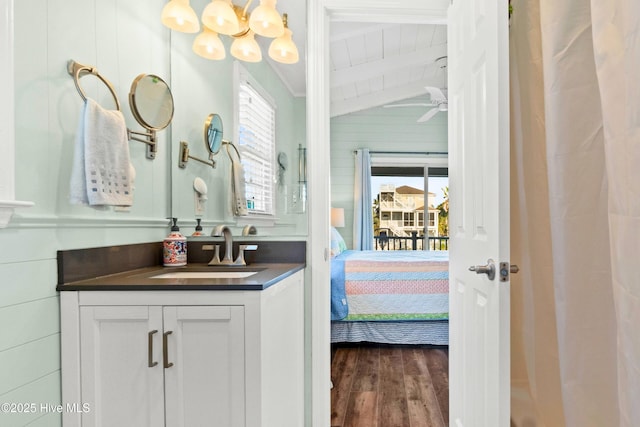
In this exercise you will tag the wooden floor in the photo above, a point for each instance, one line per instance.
(377, 385)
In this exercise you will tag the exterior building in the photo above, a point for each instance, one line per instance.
(401, 211)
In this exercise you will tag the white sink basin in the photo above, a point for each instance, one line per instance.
(205, 275)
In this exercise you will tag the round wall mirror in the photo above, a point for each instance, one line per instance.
(151, 102)
(213, 133)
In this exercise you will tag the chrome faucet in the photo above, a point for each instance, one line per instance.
(241, 249)
(249, 230)
(223, 230)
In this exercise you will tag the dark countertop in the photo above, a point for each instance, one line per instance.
(132, 267)
(266, 275)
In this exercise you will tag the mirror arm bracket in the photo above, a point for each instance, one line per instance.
(185, 156)
(149, 139)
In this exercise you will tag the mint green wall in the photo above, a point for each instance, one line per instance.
(122, 39)
(378, 129)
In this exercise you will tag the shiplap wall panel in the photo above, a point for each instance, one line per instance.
(44, 390)
(40, 275)
(31, 321)
(379, 129)
(122, 39)
(27, 361)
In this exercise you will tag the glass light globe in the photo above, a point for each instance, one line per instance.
(208, 45)
(179, 16)
(220, 17)
(265, 20)
(246, 48)
(283, 49)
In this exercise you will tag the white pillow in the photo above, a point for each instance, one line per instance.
(337, 243)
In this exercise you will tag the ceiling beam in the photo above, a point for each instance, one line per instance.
(345, 31)
(377, 99)
(369, 70)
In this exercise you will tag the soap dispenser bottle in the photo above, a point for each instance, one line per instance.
(174, 248)
(198, 232)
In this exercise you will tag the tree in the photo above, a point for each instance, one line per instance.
(376, 214)
(443, 217)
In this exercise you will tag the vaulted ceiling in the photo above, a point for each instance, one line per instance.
(378, 64)
(372, 64)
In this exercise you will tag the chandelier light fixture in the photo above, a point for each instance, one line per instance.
(224, 17)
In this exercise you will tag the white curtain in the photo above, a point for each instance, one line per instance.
(362, 213)
(616, 30)
(575, 86)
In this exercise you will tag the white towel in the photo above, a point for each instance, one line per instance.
(102, 171)
(238, 193)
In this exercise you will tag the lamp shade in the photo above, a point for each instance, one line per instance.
(246, 48)
(208, 45)
(283, 49)
(337, 217)
(265, 20)
(179, 16)
(220, 17)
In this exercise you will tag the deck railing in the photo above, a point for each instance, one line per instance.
(410, 243)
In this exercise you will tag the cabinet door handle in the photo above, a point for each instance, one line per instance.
(151, 362)
(165, 350)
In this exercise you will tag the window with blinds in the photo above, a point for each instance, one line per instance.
(256, 143)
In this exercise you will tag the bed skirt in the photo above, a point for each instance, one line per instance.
(421, 332)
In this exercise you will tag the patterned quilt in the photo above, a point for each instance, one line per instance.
(390, 285)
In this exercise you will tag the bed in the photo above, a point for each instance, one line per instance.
(391, 297)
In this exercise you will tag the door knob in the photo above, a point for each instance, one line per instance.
(489, 269)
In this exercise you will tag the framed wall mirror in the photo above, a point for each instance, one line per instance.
(152, 106)
(213, 133)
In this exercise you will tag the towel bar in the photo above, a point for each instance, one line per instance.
(76, 70)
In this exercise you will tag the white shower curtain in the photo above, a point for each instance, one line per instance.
(575, 85)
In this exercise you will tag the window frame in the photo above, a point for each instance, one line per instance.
(400, 160)
(242, 76)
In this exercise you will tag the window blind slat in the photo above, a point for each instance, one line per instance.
(256, 143)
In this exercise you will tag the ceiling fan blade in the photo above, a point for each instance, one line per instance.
(408, 105)
(428, 115)
(437, 95)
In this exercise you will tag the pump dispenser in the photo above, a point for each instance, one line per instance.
(198, 231)
(174, 253)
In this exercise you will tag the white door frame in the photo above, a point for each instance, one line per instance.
(320, 13)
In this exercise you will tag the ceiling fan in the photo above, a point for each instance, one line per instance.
(439, 100)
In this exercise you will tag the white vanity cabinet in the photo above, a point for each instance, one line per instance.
(184, 358)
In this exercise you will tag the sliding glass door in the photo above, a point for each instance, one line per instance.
(409, 203)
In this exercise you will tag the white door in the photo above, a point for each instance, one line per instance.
(205, 365)
(121, 366)
(479, 219)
